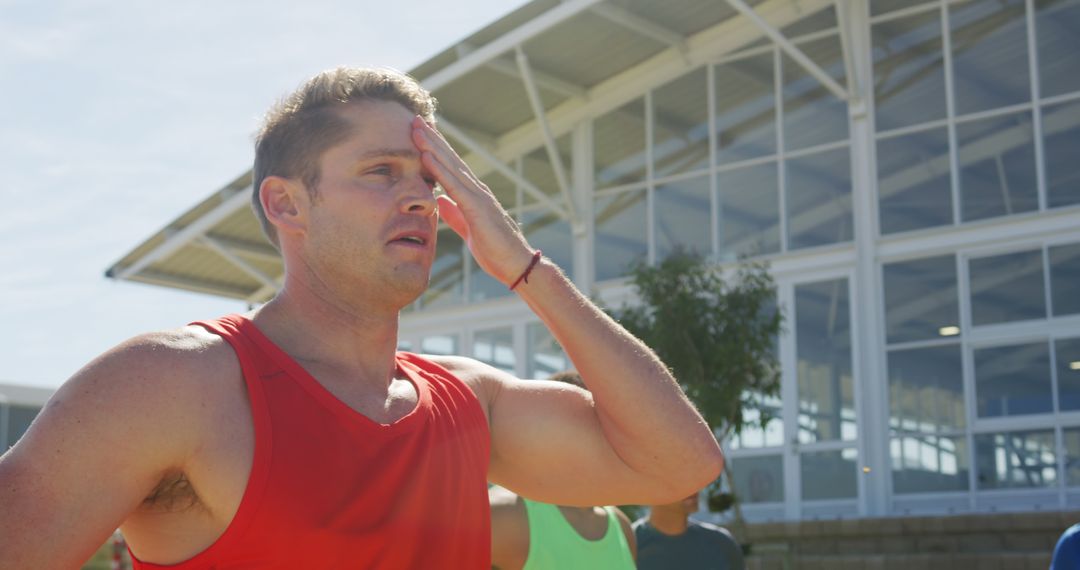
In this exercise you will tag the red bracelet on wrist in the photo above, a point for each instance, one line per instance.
(525, 276)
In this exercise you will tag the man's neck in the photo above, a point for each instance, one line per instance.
(310, 328)
(668, 521)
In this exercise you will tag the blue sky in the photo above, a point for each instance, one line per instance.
(116, 116)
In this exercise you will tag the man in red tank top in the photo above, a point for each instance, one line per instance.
(296, 436)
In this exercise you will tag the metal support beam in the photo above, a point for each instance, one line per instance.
(234, 259)
(790, 49)
(545, 80)
(501, 167)
(507, 42)
(246, 249)
(545, 130)
(843, 21)
(239, 199)
(632, 21)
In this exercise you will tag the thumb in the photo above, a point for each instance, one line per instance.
(451, 214)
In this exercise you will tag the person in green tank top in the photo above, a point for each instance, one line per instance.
(527, 535)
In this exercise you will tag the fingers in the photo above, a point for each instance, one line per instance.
(451, 214)
(454, 168)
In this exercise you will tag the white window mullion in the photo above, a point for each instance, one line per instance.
(781, 175)
(950, 111)
(1036, 116)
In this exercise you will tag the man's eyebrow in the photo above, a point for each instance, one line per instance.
(389, 153)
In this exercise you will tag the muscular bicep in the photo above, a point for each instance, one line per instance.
(94, 452)
(550, 444)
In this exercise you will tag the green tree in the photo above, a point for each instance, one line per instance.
(717, 335)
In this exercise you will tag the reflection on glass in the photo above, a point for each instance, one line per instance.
(683, 217)
(759, 479)
(819, 199)
(444, 344)
(19, 420)
(1065, 279)
(1013, 380)
(920, 299)
(829, 475)
(1061, 131)
(545, 357)
(483, 287)
(926, 389)
(1057, 24)
(619, 145)
(745, 109)
(755, 436)
(620, 233)
(813, 115)
(550, 233)
(536, 168)
(823, 340)
(909, 71)
(1067, 355)
(997, 167)
(749, 210)
(1015, 460)
(879, 7)
(1072, 456)
(681, 125)
(914, 185)
(1007, 288)
(990, 56)
(495, 347)
(446, 285)
(929, 463)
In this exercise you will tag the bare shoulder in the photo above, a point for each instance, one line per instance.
(469, 370)
(158, 377)
(161, 364)
(123, 423)
(483, 379)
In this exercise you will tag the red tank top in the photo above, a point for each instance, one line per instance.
(330, 488)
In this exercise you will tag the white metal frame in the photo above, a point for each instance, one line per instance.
(861, 261)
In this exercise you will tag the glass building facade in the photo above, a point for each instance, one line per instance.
(924, 235)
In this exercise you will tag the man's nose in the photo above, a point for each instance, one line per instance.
(419, 197)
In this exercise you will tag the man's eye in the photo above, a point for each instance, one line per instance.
(431, 182)
(381, 171)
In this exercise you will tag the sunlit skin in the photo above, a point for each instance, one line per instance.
(510, 537)
(171, 407)
(373, 194)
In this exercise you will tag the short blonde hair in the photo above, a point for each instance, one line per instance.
(299, 128)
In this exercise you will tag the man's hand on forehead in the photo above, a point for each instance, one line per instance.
(471, 209)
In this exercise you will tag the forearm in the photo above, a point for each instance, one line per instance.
(646, 418)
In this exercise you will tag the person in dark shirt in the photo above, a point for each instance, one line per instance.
(667, 539)
(1067, 551)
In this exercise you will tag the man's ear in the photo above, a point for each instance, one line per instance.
(285, 203)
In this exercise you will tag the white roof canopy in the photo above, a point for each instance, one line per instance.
(510, 88)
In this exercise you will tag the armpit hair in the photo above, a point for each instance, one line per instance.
(174, 493)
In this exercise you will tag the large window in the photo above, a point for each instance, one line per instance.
(964, 120)
(762, 167)
(989, 317)
(495, 347)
